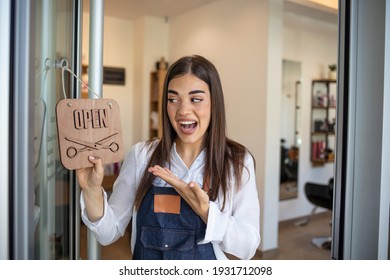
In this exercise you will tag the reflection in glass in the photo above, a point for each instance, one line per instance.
(53, 23)
(290, 130)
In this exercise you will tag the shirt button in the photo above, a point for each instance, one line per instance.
(166, 246)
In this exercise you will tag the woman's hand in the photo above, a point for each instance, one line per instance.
(190, 192)
(90, 180)
(91, 177)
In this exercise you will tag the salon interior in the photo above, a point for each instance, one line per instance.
(288, 93)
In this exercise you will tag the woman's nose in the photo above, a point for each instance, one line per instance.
(185, 108)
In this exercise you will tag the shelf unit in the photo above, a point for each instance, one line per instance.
(156, 90)
(323, 119)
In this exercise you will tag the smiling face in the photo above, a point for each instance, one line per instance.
(189, 109)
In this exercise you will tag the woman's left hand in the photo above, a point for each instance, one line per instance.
(190, 192)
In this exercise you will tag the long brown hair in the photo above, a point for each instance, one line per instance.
(223, 155)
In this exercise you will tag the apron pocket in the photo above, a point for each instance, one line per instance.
(167, 244)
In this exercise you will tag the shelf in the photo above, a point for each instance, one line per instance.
(320, 107)
(324, 81)
(323, 118)
(322, 133)
(320, 162)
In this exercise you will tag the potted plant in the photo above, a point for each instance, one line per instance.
(332, 71)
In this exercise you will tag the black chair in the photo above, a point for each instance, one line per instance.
(321, 195)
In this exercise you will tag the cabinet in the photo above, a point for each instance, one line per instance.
(156, 90)
(323, 120)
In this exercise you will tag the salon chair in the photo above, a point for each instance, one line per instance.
(321, 195)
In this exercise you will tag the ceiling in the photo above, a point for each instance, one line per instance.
(132, 9)
(311, 9)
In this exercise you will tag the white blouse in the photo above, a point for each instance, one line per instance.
(235, 230)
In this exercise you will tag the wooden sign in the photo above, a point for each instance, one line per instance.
(88, 127)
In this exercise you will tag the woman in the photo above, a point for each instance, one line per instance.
(192, 194)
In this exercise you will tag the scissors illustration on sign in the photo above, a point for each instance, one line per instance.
(71, 152)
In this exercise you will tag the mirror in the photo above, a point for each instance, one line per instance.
(290, 129)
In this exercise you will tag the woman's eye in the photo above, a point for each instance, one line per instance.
(172, 100)
(196, 100)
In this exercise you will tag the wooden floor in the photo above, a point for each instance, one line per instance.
(294, 242)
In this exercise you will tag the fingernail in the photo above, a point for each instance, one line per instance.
(91, 157)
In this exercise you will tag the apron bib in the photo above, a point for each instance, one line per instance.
(168, 229)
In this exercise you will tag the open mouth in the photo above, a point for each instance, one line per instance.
(188, 126)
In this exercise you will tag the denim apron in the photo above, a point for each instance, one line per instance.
(166, 236)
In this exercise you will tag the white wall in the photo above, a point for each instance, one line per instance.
(118, 51)
(225, 33)
(273, 11)
(314, 44)
(151, 40)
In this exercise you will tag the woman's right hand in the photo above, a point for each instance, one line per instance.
(91, 178)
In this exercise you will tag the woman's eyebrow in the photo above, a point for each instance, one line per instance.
(173, 91)
(195, 91)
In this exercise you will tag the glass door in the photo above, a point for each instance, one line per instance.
(52, 182)
(44, 227)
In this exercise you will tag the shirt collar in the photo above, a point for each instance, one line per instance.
(200, 159)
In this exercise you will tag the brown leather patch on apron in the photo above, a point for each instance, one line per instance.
(167, 203)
